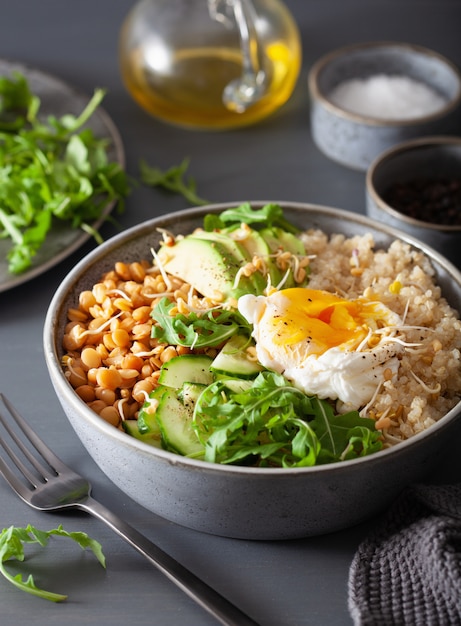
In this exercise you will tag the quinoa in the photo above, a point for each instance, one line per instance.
(429, 377)
(113, 363)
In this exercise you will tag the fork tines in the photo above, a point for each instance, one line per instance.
(19, 441)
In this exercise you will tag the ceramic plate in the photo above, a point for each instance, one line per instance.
(58, 98)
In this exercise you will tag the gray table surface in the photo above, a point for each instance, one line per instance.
(278, 583)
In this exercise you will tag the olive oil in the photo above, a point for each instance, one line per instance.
(185, 85)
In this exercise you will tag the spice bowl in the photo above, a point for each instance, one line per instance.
(416, 187)
(368, 97)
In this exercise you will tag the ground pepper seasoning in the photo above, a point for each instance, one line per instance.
(434, 200)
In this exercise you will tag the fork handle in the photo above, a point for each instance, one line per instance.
(209, 599)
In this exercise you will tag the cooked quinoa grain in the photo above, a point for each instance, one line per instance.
(429, 378)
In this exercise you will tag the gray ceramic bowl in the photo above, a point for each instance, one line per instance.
(232, 501)
(425, 159)
(355, 139)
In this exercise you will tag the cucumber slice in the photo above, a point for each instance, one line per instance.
(189, 393)
(187, 368)
(237, 385)
(233, 360)
(175, 421)
(131, 428)
(147, 422)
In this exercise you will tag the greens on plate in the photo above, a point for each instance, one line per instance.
(52, 170)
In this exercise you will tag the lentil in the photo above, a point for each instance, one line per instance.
(111, 360)
(90, 358)
(108, 396)
(110, 415)
(86, 393)
(86, 300)
(109, 378)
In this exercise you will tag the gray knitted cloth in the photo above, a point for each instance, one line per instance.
(408, 570)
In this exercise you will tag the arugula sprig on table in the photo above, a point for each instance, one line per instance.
(278, 424)
(12, 540)
(173, 180)
(50, 170)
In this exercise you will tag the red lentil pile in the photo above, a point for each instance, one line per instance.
(110, 358)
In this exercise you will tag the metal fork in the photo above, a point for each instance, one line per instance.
(47, 484)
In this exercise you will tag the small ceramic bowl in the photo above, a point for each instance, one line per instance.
(354, 139)
(416, 187)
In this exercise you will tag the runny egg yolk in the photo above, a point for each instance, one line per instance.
(321, 342)
(319, 318)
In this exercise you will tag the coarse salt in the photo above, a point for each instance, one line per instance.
(387, 97)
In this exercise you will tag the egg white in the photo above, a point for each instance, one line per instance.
(321, 343)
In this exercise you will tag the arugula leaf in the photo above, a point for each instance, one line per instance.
(210, 329)
(267, 216)
(342, 436)
(17, 102)
(172, 180)
(53, 170)
(11, 546)
(273, 423)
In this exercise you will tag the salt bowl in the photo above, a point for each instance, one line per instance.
(367, 97)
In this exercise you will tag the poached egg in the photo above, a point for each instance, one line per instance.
(325, 345)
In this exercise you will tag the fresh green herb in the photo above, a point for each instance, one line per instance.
(198, 331)
(276, 424)
(267, 216)
(12, 542)
(172, 180)
(345, 436)
(53, 170)
(17, 102)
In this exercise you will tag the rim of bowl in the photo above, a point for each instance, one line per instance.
(323, 62)
(90, 417)
(412, 145)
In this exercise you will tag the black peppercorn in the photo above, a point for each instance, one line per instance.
(437, 201)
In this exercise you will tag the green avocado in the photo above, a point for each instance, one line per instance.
(207, 264)
(278, 238)
(253, 243)
(240, 251)
(256, 245)
(233, 246)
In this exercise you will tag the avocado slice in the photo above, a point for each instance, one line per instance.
(208, 265)
(253, 243)
(277, 238)
(240, 251)
(256, 245)
(234, 247)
